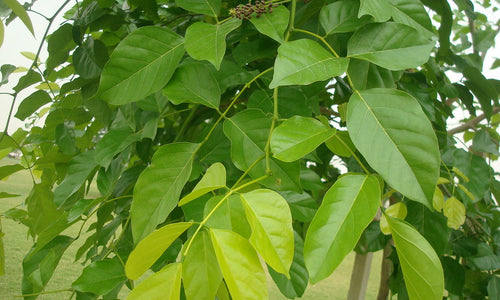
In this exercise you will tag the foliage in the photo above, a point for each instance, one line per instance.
(209, 128)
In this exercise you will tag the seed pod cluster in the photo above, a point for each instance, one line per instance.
(248, 11)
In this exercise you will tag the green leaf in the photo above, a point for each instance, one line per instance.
(6, 69)
(413, 14)
(302, 206)
(482, 88)
(422, 269)
(240, 265)
(208, 42)
(200, 273)
(394, 135)
(8, 170)
(59, 45)
(163, 285)
(397, 210)
(79, 169)
(365, 75)
(341, 144)
(194, 83)
(206, 7)
(273, 24)
(295, 286)
(230, 215)
(214, 178)
(454, 210)
(158, 188)
(90, 58)
(65, 139)
(100, 277)
(379, 9)
(303, 62)
(483, 142)
(494, 288)
(2, 35)
(152, 247)
(248, 132)
(271, 222)
(438, 199)
(347, 209)
(27, 80)
(32, 103)
(8, 195)
(132, 71)
(297, 136)
(19, 11)
(454, 275)
(112, 143)
(392, 46)
(476, 170)
(341, 16)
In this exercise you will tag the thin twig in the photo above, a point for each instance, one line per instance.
(472, 122)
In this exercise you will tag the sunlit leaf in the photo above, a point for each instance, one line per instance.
(19, 10)
(163, 285)
(206, 7)
(214, 178)
(397, 210)
(273, 24)
(341, 16)
(438, 199)
(454, 210)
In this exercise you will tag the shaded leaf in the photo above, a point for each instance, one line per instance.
(207, 7)
(347, 209)
(158, 188)
(100, 277)
(112, 143)
(240, 265)
(89, 58)
(152, 247)
(214, 178)
(341, 144)
(19, 10)
(379, 9)
(475, 169)
(32, 103)
(341, 16)
(494, 288)
(392, 132)
(8, 170)
(483, 142)
(163, 285)
(413, 14)
(365, 75)
(6, 69)
(303, 62)
(302, 206)
(273, 24)
(132, 70)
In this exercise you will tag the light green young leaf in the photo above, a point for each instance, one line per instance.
(273, 24)
(230, 215)
(132, 71)
(397, 210)
(158, 188)
(100, 277)
(341, 144)
(422, 269)
(297, 136)
(214, 178)
(206, 7)
(347, 209)
(2, 33)
(379, 9)
(208, 42)
(305, 61)
(394, 135)
(201, 273)
(438, 199)
(163, 285)
(240, 265)
(392, 46)
(271, 222)
(454, 210)
(152, 247)
(19, 11)
(32, 103)
(194, 83)
(341, 16)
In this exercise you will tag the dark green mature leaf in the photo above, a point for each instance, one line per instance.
(483, 142)
(347, 209)
(365, 75)
(27, 80)
(19, 10)
(392, 46)
(152, 247)
(101, 277)
(494, 288)
(240, 265)
(454, 275)
(112, 143)
(476, 170)
(341, 16)
(379, 9)
(230, 215)
(89, 58)
(59, 44)
(273, 24)
(271, 222)
(482, 89)
(6, 69)
(392, 132)
(341, 144)
(297, 136)
(305, 61)
(295, 286)
(208, 42)
(194, 83)
(201, 273)
(8, 170)
(65, 139)
(206, 7)
(163, 285)
(248, 132)
(413, 14)
(302, 206)
(39, 265)
(132, 71)
(158, 188)
(422, 269)
(32, 103)
(80, 167)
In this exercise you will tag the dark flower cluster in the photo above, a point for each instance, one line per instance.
(248, 11)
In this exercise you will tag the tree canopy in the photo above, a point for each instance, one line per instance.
(220, 134)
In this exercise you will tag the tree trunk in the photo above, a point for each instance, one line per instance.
(359, 276)
(385, 273)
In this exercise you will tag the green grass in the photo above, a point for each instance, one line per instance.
(17, 244)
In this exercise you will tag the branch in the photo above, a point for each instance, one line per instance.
(472, 123)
